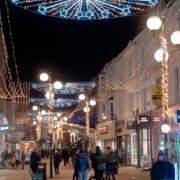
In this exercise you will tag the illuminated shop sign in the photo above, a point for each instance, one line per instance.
(130, 125)
(103, 130)
(4, 128)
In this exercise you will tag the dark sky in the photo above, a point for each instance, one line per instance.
(71, 50)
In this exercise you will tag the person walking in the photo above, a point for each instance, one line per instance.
(18, 158)
(99, 163)
(110, 160)
(23, 157)
(57, 160)
(65, 156)
(82, 165)
(13, 160)
(4, 157)
(162, 169)
(34, 160)
(74, 157)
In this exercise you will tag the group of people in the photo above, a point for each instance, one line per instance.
(102, 163)
(15, 159)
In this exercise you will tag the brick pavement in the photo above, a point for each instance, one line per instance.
(125, 173)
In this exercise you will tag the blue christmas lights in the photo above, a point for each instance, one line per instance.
(67, 89)
(56, 103)
(86, 9)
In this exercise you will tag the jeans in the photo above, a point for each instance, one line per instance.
(82, 175)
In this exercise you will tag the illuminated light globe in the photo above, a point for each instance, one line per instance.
(44, 77)
(55, 118)
(86, 9)
(165, 128)
(154, 23)
(104, 117)
(161, 54)
(34, 122)
(58, 85)
(82, 97)
(92, 102)
(49, 95)
(65, 118)
(86, 109)
(59, 114)
(175, 38)
(43, 112)
(35, 108)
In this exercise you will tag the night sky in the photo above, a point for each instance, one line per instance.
(71, 50)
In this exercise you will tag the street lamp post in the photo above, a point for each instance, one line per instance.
(86, 109)
(162, 56)
(44, 77)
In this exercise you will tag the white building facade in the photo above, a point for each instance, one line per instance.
(126, 96)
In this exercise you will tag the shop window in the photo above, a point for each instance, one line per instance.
(120, 107)
(111, 110)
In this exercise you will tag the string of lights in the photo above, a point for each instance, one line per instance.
(86, 9)
(11, 41)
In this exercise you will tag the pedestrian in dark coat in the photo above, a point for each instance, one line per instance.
(65, 156)
(34, 160)
(99, 162)
(57, 160)
(74, 156)
(23, 157)
(162, 169)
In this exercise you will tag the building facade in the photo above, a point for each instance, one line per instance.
(128, 95)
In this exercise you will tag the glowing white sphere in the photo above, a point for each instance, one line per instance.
(165, 128)
(55, 118)
(59, 114)
(92, 102)
(58, 85)
(65, 118)
(175, 37)
(44, 77)
(160, 54)
(154, 23)
(86, 109)
(43, 112)
(82, 97)
(49, 95)
(104, 117)
(69, 131)
(34, 122)
(35, 108)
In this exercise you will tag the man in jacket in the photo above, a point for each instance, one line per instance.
(34, 159)
(110, 160)
(99, 163)
(162, 169)
(82, 165)
(57, 160)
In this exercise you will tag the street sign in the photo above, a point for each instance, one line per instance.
(157, 95)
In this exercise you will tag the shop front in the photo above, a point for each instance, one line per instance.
(157, 137)
(130, 143)
(143, 140)
(174, 138)
(120, 139)
(106, 135)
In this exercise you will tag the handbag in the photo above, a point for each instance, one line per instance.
(101, 166)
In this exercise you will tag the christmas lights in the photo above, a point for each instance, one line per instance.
(86, 9)
(68, 88)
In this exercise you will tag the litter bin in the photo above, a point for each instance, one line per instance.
(42, 170)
